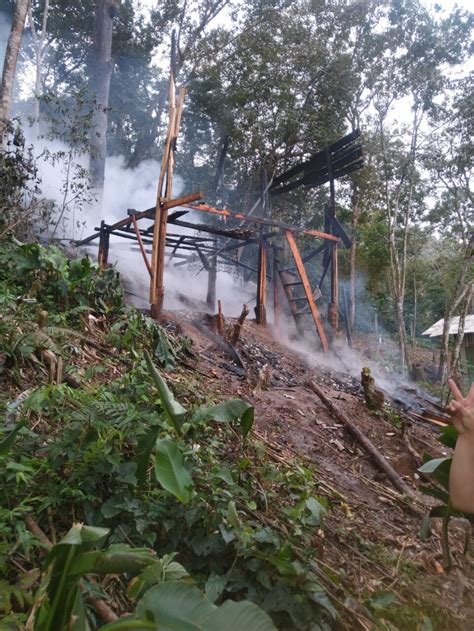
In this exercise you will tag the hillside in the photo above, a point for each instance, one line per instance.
(268, 499)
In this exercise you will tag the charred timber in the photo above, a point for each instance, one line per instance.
(318, 159)
(261, 221)
(243, 235)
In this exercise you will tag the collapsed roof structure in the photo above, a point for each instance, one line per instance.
(326, 166)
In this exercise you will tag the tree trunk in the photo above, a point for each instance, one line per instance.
(401, 332)
(101, 73)
(415, 305)
(460, 336)
(39, 47)
(146, 139)
(9, 65)
(451, 306)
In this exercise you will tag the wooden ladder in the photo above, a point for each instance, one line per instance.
(304, 303)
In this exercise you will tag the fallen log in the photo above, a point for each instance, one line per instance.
(362, 439)
(229, 350)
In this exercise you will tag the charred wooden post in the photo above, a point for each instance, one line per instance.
(220, 318)
(373, 397)
(164, 192)
(104, 241)
(307, 289)
(211, 283)
(261, 308)
(347, 320)
(234, 336)
(333, 309)
(276, 296)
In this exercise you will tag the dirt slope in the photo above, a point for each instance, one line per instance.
(372, 532)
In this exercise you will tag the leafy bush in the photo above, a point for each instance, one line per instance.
(218, 505)
(47, 275)
(439, 469)
(150, 459)
(20, 205)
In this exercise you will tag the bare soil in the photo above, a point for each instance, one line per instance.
(372, 533)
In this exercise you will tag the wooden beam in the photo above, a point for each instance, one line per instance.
(201, 227)
(333, 309)
(184, 199)
(276, 296)
(211, 284)
(259, 220)
(307, 289)
(362, 439)
(140, 243)
(161, 215)
(261, 308)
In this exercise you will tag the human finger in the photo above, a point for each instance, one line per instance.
(454, 407)
(455, 390)
(470, 394)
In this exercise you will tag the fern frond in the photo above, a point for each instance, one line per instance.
(60, 331)
(37, 340)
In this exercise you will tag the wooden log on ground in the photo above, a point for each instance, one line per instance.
(381, 462)
(234, 336)
(229, 350)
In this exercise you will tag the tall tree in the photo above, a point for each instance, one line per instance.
(100, 75)
(9, 65)
(450, 159)
(39, 46)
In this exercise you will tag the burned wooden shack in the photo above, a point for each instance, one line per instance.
(211, 244)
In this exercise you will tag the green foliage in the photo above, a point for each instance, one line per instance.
(48, 276)
(166, 601)
(177, 605)
(439, 469)
(229, 412)
(237, 521)
(170, 471)
(19, 185)
(175, 412)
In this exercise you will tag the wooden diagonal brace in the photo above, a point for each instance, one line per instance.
(307, 289)
(140, 243)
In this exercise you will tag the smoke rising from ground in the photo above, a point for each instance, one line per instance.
(185, 286)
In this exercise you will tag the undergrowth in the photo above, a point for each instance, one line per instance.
(245, 528)
(177, 493)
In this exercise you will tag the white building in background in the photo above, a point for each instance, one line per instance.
(467, 350)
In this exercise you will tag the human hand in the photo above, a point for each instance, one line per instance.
(462, 409)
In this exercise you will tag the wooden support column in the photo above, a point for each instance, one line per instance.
(104, 241)
(211, 283)
(333, 309)
(261, 309)
(307, 289)
(164, 192)
(276, 297)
